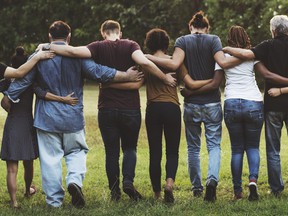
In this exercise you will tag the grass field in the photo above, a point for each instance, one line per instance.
(96, 187)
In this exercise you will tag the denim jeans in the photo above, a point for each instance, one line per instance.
(273, 127)
(211, 116)
(52, 148)
(119, 127)
(244, 121)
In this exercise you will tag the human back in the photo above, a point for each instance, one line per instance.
(117, 53)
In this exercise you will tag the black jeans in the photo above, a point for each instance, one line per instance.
(163, 116)
(119, 127)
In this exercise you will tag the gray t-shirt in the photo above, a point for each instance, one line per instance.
(199, 59)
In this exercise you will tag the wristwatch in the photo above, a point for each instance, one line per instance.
(46, 47)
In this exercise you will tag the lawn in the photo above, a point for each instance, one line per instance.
(97, 193)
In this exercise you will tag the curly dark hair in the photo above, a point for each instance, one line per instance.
(199, 21)
(157, 39)
(238, 37)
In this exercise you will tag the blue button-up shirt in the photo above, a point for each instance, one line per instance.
(60, 76)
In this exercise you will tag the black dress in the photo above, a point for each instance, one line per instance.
(19, 140)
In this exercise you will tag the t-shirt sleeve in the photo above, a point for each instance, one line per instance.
(134, 46)
(93, 49)
(2, 70)
(260, 51)
(180, 42)
(216, 45)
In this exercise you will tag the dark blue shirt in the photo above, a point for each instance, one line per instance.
(60, 76)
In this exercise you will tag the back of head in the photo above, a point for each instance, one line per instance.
(157, 39)
(199, 21)
(238, 37)
(279, 24)
(110, 26)
(59, 30)
(19, 57)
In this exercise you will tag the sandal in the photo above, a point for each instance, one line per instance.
(32, 191)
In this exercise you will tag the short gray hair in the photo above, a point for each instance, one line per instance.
(279, 24)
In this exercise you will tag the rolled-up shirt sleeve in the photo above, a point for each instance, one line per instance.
(97, 72)
(19, 85)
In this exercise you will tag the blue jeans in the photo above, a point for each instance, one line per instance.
(273, 127)
(211, 116)
(244, 121)
(52, 148)
(119, 127)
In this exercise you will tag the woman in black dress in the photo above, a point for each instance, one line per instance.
(19, 138)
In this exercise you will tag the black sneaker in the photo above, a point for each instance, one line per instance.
(130, 190)
(253, 195)
(77, 195)
(197, 192)
(168, 195)
(210, 193)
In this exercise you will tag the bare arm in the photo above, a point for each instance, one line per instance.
(244, 54)
(25, 68)
(188, 81)
(69, 99)
(216, 81)
(269, 76)
(226, 62)
(150, 67)
(275, 92)
(124, 85)
(70, 51)
(171, 64)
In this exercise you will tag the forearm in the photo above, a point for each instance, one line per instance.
(244, 54)
(22, 70)
(269, 76)
(70, 51)
(194, 84)
(166, 63)
(226, 62)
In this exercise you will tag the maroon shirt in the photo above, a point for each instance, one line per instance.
(116, 54)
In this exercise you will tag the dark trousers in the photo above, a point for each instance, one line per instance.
(163, 117)
(119, 128)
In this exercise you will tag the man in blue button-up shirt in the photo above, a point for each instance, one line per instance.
(60, 127)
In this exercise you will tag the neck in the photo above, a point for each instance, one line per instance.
(59, 40)
(159, 53)
(199, 31)
(112, 37)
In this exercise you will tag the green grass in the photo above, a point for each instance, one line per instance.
(97, 193)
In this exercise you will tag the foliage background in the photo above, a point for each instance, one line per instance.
(26, 22)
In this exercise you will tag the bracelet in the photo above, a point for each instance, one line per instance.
(280, 91)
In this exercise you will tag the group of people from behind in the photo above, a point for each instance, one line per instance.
(200, 63)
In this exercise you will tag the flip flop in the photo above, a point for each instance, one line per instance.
(31, 192)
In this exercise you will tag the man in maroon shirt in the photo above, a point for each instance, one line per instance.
(119, 115)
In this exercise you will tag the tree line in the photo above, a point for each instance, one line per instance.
(26, 22)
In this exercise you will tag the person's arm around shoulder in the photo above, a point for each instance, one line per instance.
(226, 62)
(172, 63)
(150, 67)
(245, 54)
(25, 68)
(69, 51)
